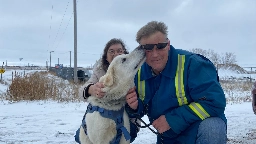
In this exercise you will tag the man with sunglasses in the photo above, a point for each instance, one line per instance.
(179, 91)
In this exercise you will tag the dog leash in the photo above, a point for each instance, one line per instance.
(145, 125)
(137, 117)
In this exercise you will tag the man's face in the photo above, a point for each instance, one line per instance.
(156, 58)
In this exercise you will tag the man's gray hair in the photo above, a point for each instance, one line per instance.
(151, 28)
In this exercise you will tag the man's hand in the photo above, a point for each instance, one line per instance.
(161, 125)
(95, 90)
(132, 99)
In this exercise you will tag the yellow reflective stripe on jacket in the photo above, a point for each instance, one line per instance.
(180, 91)
(141, 86)
(199, 110)
(179, 81)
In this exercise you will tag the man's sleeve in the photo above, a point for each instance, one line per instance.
(206, 93)
(135, 113)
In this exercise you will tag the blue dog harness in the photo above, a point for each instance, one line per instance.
(116, 116)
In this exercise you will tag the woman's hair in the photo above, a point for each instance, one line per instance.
(151, 28)
(113, 41)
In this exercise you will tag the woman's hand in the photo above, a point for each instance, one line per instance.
(95, 90)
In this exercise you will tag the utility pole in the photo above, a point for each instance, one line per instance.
(75, 44)
(47, 65)
(70, 58)
(2, 71)
(50, 59)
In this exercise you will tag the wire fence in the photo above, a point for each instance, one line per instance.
(236, 82)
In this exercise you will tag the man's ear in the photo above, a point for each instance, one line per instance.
(109, 78)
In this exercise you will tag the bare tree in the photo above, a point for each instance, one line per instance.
(199, 51)
(224, 58)
(228, 58)
(214, 57)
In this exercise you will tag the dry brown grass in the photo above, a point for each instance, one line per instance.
(237, 91)
(46, 86)
(41, 86)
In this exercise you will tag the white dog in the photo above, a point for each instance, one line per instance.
(118, 79)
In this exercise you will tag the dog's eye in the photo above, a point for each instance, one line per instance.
(123, 60)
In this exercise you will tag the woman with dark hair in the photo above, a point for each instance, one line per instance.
(113, 48)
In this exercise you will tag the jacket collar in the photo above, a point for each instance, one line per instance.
(169, 70)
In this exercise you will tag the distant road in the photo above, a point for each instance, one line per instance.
(26, 67)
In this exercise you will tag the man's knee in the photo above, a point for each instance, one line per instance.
(212, 130)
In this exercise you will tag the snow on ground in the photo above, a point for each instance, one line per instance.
(229, 74)
(241, 123)
(43, 122)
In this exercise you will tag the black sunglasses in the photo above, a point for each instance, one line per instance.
(151, 46)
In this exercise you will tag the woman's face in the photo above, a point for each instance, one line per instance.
(113, 51)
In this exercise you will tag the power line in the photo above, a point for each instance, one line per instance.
(61, 52)
(50, 29)
(64, 31)
(60, 23)
(89, 53)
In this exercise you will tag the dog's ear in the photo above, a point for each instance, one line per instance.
(108, 78)
(108, 81)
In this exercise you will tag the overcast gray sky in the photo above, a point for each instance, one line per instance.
(30, 29)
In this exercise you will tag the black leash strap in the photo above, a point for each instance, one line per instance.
(148, 126)
(145, 125)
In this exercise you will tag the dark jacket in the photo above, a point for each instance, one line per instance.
(186, 94)
(254, 98)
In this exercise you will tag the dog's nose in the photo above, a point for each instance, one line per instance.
(140, 47)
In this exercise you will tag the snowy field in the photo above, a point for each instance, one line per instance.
(49, 122)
